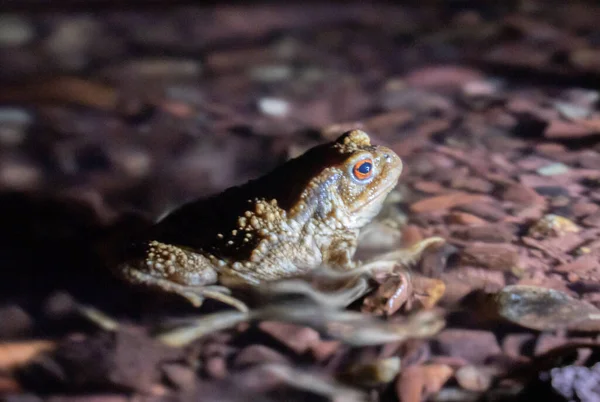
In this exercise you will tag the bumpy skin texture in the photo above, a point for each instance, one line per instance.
(304, 214)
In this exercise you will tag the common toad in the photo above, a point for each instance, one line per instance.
(304, 214)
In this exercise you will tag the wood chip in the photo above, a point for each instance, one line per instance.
(446, 201)
(501, 257)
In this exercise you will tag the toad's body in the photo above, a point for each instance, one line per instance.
(304, 214)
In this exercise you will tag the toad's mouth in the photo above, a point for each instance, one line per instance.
(381, 193)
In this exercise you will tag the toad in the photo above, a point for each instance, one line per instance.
(305, 214)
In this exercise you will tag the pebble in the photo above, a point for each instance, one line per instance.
(15, 30)
(297, 338)
(271, 73)
(70, 42)
(553, 225)
(13, 125)
(474, 378)
(553, 169)
(19, 174)
(472, 345)
(12, 115)
(274, 107)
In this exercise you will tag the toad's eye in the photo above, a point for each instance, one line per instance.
(363, 169)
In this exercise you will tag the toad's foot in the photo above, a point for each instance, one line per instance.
(407, 256)
(388, 261)
(348, 293)
(194, 294)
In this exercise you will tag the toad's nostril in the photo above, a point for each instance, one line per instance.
(387, 157)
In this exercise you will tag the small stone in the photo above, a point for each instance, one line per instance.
(19, 174)
(216, 367)
(474, 378)
(571, 111)
(545, 309)
(463, 218)
(493, 233)
(517, 345)
(445, 201)
(564, 129)
(180, 376)
(473, 345)
(17, 116)
(553, 169)
(546, 342)
(372, 374)
(577, 382)
(324, 349)
(447, 76)
(133, 162)
(486, 210)
(271, 73)
(553, 226)
(297, 338)
(580, 265)
(70, 42)
(501, 257)
(274, 107)
(15, 30)
(158, 68)
(417, 383)
(521, 194)
(16, 322)
(59, 304)
(258, 354)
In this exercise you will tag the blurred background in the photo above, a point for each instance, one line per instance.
(145, 104)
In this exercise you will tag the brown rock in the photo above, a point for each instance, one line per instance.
(446, 201)
(581, 265)
(429, 187)
(180, 376)
(582, 208)
(514, 345)
(545, 309)
(474, 184)
(216, 367)
(564, 129)
(463, 218)
(501, 257)
(494, 233)
(592, 220)
(462, 280)
(475, 378)
(416, 383)
(442, 77)
(473, 345)
(256, 354)
(546, 342)
(15, 321)
(295, 337)
(486, 210)
(521, 194)
(323, 350)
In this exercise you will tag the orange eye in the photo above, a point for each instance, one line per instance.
(363, 169)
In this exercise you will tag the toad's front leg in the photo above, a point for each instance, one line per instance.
(172, 269)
